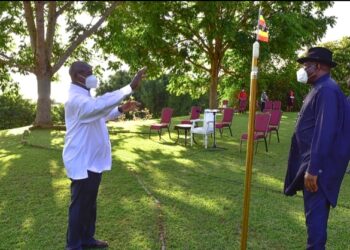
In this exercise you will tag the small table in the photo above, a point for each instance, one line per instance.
(214, 111)
(186, 127)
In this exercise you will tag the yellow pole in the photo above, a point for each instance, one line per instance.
(250, 144)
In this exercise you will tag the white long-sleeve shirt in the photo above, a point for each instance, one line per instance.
(87, 145)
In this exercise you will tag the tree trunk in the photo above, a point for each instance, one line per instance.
(214, 80)
(43, 110)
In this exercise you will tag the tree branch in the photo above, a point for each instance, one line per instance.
(6, 60)
(28, 13)
(227, 71)
(225, 46)
(205, 46)
(64, 8)
(50, 31)
(82, 37)
(197, 65)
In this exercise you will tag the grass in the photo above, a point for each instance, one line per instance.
(159, 193)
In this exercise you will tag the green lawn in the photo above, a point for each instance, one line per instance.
(188, 196)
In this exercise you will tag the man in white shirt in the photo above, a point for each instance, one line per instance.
(87, 149)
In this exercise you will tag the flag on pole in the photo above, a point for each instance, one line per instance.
(261, 21)
(263, 34)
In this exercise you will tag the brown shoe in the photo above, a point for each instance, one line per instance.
(96, 244)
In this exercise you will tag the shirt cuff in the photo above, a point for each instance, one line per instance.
(127, 90)
(314, 167)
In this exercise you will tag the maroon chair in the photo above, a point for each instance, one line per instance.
(165, 121)
(261, 127)
(274, 124)
(276, 105)
(268, 106)
(226, 120)
(242, 106)
(195, 114)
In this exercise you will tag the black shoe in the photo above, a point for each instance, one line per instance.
(96, 244)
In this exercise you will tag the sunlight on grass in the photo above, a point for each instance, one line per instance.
(139, 240)
(209, 204)
(15, 131)
(269, 180)
(6, 164)
(297, 215)
(27, 224)
(57, 138)
(57, 169)
(3, 204)
(200, 192)
(59, 185)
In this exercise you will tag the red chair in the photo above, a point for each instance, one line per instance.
(274, 124)
(226, 120)
(268, 106)
(276, 105)
(242, 106)
(165, 121)
(261, 127)
(195, 114)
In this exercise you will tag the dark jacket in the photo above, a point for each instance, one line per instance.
(321, 141)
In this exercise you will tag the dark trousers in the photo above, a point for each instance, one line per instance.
(82, 211)
(316, 208)
(262, 106)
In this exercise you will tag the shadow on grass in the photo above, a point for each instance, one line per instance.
(201, 197)
(200, 193)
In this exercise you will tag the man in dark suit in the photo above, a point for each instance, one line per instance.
(320, 150)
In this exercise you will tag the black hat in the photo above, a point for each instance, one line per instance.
(318, 54)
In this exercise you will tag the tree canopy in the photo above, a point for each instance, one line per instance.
(207, 46)
(341, 55)
(30, 41)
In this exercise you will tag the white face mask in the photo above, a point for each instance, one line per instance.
(91, 82)
(302, 75)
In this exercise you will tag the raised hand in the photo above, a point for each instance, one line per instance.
(135, 83)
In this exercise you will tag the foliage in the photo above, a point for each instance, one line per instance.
(57, 113)
(278, 86)
(341, 55)
(206, 46)
(31, 40)
(193, 195)
(15, 111)
(153, 95)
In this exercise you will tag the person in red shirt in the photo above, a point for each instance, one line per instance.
(242, 101)
(290, 101)
(242, 96)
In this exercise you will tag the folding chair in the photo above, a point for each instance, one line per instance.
(164, 122)
(226, 120)
(261, 127)
(195, 114)
(274, 124)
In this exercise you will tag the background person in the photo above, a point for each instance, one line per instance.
(290, 101)
(264, 98)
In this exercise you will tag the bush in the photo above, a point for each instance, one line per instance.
(57, 113)
(153, 95)
(15, 111)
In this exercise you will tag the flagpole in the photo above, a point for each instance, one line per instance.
(250, 141)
